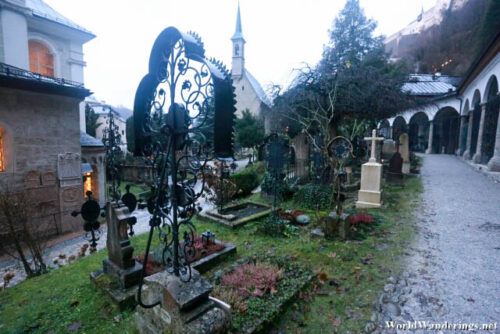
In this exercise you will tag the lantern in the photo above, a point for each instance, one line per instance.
(207, 238)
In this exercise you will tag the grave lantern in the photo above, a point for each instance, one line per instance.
(207, 238)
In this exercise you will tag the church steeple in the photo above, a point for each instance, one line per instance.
(238, 65)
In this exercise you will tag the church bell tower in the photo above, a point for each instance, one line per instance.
(238, 64)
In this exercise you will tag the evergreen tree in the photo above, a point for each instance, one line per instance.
(249, 130)
(354, 79)
(91, 121)
(351, 37)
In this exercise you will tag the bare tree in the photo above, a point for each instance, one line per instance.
(25, 237)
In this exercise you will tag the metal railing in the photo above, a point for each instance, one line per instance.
(16, 72)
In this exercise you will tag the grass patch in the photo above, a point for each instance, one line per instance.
(44, 303)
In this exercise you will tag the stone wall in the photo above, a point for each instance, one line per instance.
(42, 153)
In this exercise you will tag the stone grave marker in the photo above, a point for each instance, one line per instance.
(371, 175)
(120, 262)
(394, 174)
(388, 148)
(404, 150)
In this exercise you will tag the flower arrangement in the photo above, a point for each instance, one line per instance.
(361, 219)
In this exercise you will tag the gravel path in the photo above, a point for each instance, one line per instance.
(453, 267)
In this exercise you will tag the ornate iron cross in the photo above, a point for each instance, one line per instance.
(180, 95)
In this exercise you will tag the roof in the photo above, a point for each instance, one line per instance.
(482, 60)
(89, 141)
(103, 110)
(86, 168)
(430, 84)
(258, 89)
(18, 78)
(238, 32)
(41, 9)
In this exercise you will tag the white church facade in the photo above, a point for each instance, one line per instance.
(249, 93)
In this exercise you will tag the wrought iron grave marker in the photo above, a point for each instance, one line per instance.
(181, 93)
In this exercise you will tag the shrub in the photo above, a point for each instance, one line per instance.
(249, 178)
(286, 188)
(213, 182)
(314, 196)
(275, 227)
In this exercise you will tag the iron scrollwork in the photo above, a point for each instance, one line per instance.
(183, 94)
(112, 140)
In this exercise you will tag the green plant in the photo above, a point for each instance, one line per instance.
(248, 179)
(219, 190)
(275, 227)
(314, 196)
(286, 188)
(249, 130)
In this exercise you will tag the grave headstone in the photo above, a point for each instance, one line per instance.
(404, 150)
(348, 173)
(371, 175)
(394, 173)
(388, 148)
(120, 262)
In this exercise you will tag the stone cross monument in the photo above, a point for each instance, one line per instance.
(371, 176)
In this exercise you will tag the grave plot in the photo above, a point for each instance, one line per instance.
(258, 289)
(221, 187)
(239, 214)
(207, 252)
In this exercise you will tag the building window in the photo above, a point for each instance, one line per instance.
(41, 59)
(236, 50)
(2, 161)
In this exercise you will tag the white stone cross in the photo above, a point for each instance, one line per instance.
(374, 140)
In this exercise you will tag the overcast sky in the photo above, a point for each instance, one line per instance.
(281, 34)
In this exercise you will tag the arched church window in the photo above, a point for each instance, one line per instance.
(41, 59)
(2, 160)
(236, 50)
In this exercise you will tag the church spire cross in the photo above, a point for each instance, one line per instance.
(374, 140)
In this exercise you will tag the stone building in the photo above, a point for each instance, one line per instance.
(101, 109)
(459, 118)
(41, 110)
(249, 93)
